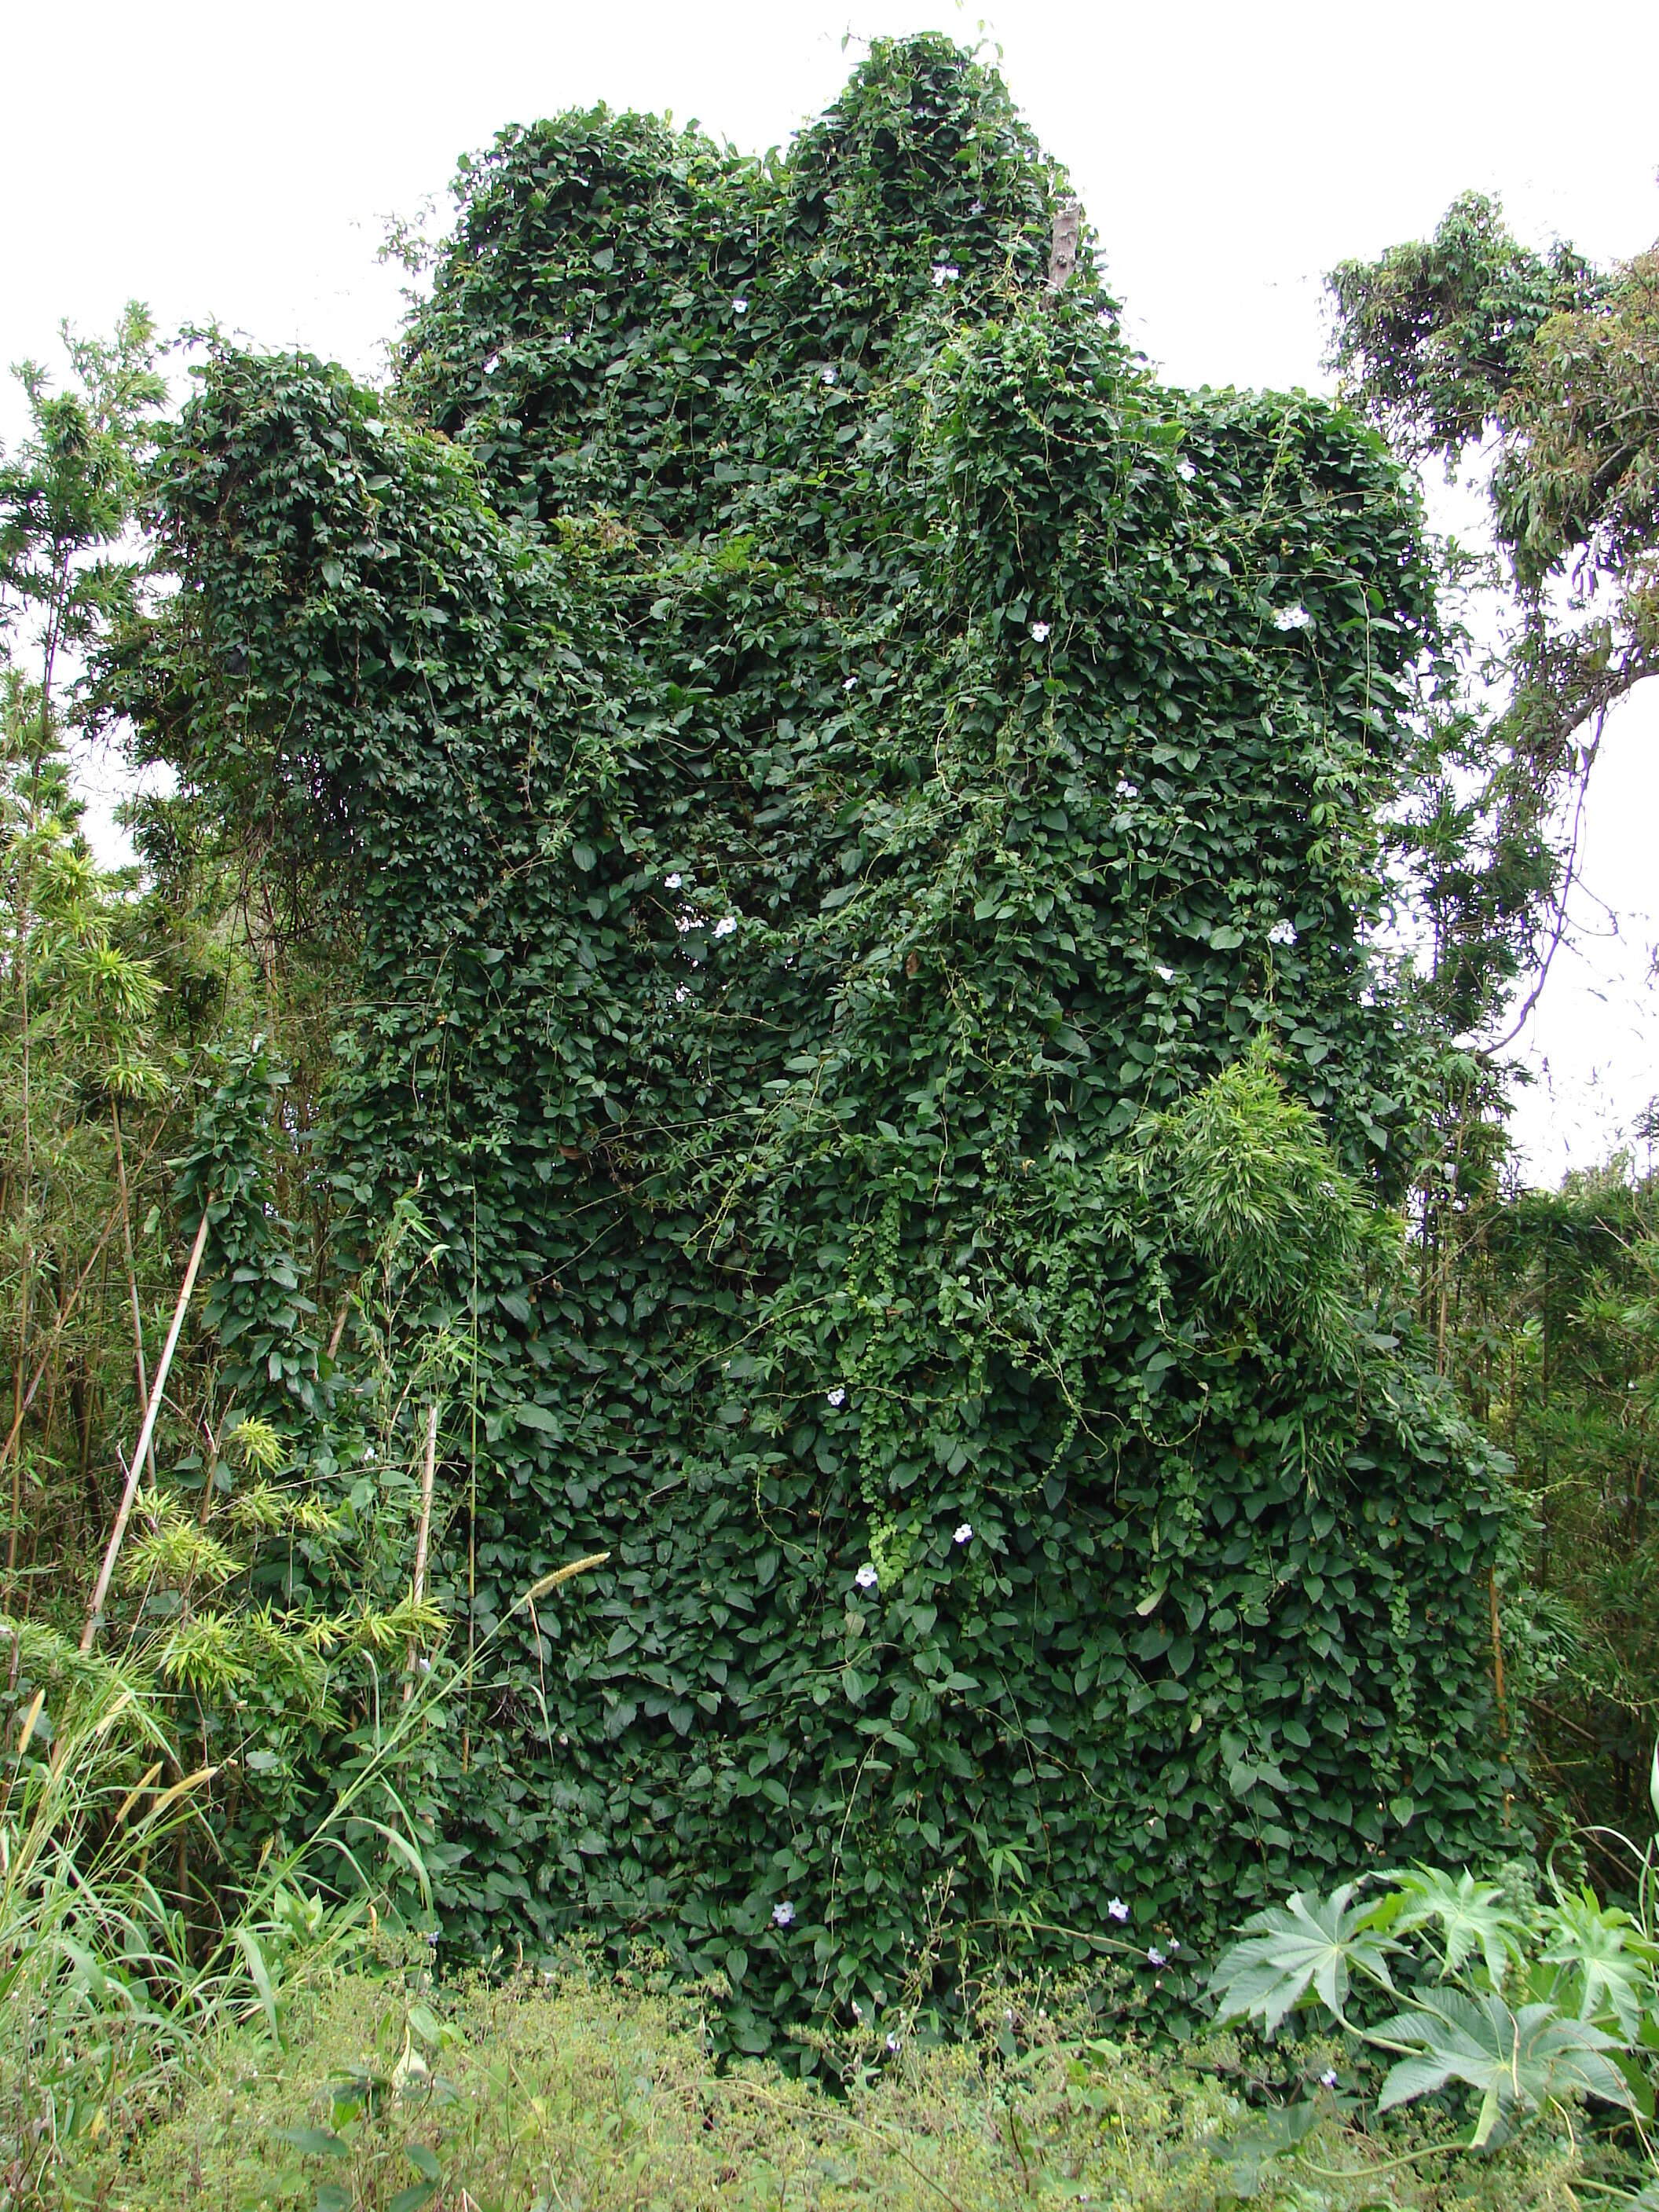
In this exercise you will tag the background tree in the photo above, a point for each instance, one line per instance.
(1541, 374)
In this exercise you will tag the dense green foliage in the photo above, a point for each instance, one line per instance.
(860, 811)
(764, 963)
(1536, 372)
(1554, 1341)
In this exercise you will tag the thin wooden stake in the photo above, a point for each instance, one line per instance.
(339, 1329)
(136, 1465)
(132, 1275)
(424, 1531)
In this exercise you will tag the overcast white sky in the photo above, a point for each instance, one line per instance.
(238, 161)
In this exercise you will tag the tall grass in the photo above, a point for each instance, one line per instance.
(107, 1986)
(110, 1992)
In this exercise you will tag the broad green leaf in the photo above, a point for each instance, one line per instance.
(1307, 1944)
(1469, 1914)
(1515, 2061)
(530, 1416)
(315, 2142)
(1605, 1953)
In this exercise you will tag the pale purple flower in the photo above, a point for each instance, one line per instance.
(1155, 1957)
(1118, 1910)
(945, 272)
(1293, 618)
(1328, 2079)
(965, 1534)
(783, 1914)
(837, 1396)
(866, 1576)
(828, 374)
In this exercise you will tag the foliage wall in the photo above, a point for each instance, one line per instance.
(860, 810)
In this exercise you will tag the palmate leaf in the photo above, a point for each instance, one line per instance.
(1307, 1944)
(1520, 2060)
(1612, 1960)
(1471, 1915)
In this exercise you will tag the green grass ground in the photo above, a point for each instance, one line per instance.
(577, 2095)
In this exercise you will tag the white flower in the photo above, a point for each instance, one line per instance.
(1126, 789)
(1118, 1909)
(828, 374)
(1175, 1942)
(892, 2040)
(1291, 618)
(849, 682)
(866, 1576)
(858, 2009)
(1155, 1957)
(673, 883)
(726, 924)
(838, 1396)
(978, 208)
(1185, 469)
(1040, 632)
(1282, 933)
(945, 272)
(740, 306)
(783, 1914)
(1168, 973)
(1328, 2079)
(965, 1534)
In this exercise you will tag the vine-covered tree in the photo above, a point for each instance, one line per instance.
(861, 813)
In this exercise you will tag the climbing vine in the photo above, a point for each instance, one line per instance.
(860, 808)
